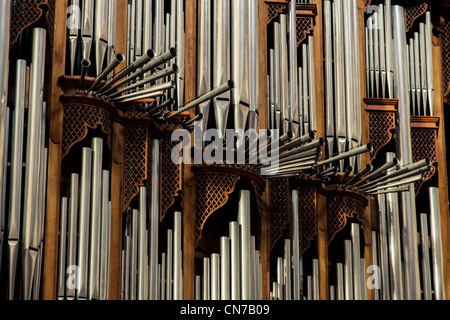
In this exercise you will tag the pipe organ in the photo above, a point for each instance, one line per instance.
(223, 150)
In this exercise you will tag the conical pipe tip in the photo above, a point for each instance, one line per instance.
(86, 63)
(151, 53)
(173, 51)
(120, 57)
(322, 142)
(290, 134)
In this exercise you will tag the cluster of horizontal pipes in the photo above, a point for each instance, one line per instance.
(24, 160)
(342, 78)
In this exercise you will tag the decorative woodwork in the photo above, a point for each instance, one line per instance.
(446, 59)
(413, 12)
(274, 8)
(307, 201)
(381, 114)
(26, 12)
(279, 207)
(171, 177)
(78, 119)
(305, 14)
(424, 134)
(213, 185)
(341, 206)
(137, 140)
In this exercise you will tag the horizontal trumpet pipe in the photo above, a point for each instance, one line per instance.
(148, 56)
(351, 153)
(196, 118)
(393, 190)
(410, 180)
(361, 173)
(205, 97)
(412, 167)
(397, 177)
(394, 162)
(85, 64)
(139, 93)
(119, 58)
(299, 141)
(163, 73)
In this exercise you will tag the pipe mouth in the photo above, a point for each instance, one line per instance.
(322, 142)
(231, 84)
(428, 161)
(175, 68)
(200, 116)
(173, 51)
(151, 53)
(395, 161)
(369, 167)
(370, 147)
(86, 63)
(349, 169)
(312, 134)
(144, 105)
(290, 134)
(120, 57)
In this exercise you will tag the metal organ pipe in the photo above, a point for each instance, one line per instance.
(410, 252)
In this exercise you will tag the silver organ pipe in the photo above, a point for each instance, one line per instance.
(426, 271)
(410, 252)
(399, 65)
(31, 214)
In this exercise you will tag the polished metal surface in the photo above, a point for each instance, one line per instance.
(30, 216)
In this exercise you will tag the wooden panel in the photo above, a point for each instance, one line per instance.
(443, 175)
(55, 113)
(189, 182)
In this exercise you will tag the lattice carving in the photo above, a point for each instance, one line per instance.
(273, 10)
(446, 58)
(50, 18)
(380, 126)
(414, 12)
(212, 192)
(367, 4)
(307, 216)
(78, 119)
(136, 161)
(25, 13)
(424, 144)
(339, 210)
(171, 177)
(279, 206)
(305, 26)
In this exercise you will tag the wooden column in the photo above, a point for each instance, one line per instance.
(321, 206)
(117, 192)
(365, 158)
(264, 250)
(441, 154)
(117, 171)
(55, 114)
(190, 80)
